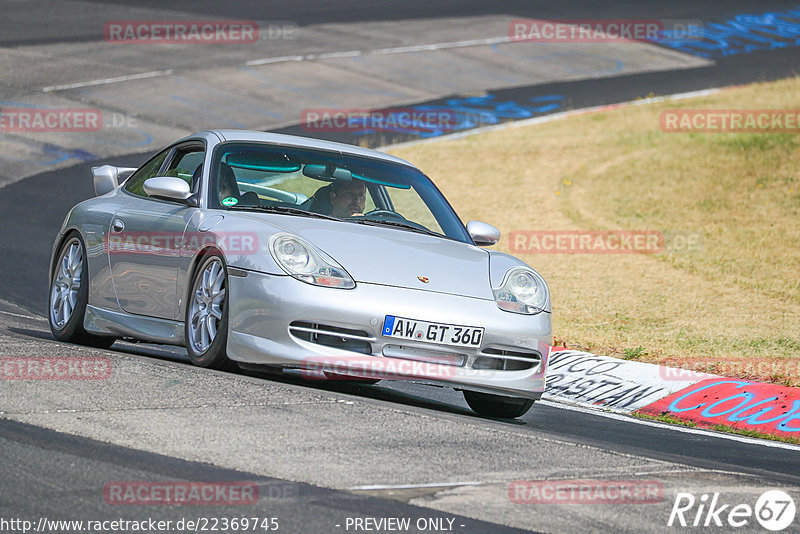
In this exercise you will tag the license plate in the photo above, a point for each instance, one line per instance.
(442, 334)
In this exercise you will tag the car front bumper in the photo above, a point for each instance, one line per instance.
(272, 321)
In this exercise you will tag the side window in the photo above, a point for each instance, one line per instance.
(369, 204)
(135, 183)
(184, 164)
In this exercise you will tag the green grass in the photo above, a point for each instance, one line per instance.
(670, 419)
(664, 418)
(635, 354)
(755, 434)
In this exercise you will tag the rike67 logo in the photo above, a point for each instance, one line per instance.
(774, 510)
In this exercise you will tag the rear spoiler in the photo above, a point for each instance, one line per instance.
(107, 178)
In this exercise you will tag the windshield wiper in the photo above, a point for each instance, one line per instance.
(405, 226)
(284, 210)
(288, 210)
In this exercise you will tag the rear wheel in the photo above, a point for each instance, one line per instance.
(69, 295)
(206, 325)
(497, 405)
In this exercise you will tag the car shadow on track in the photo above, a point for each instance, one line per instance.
(383, 391)
(38, 334)
(378, 391)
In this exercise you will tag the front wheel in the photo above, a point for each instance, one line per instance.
(497, 405)
(69, 295)
(206, 325)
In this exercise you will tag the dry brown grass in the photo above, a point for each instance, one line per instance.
(737, 296)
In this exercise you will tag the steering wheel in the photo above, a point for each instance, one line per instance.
(380, 214)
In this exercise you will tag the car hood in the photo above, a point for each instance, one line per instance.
(396, 257)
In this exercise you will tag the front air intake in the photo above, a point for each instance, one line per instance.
(507, 360)
(332, 336)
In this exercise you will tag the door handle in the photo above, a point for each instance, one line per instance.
(117, 226)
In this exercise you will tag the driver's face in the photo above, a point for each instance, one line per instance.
(349, 200)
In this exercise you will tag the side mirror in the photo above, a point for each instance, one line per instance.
(107, 177)
(484, 235)
(169, 188)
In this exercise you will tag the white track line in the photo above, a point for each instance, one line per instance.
(414, 486)
(280, 59)
(441, 46)
(140, 76)
(349, 53)
(676, 428)
(382, 51)
(23, 316)
(307, 57)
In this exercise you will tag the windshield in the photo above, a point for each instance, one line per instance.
(317, 183)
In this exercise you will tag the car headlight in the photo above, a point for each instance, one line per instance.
(523, 291)
(307, 263)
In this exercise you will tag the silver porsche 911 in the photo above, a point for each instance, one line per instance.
(341, 262)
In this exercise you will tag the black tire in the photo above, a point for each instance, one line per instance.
(71, 330)
(497, 405)
(212, 356)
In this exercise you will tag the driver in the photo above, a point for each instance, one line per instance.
(348, 198)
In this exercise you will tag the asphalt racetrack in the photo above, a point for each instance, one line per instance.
(323, 455)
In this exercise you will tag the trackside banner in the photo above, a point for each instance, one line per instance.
(620, 385)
